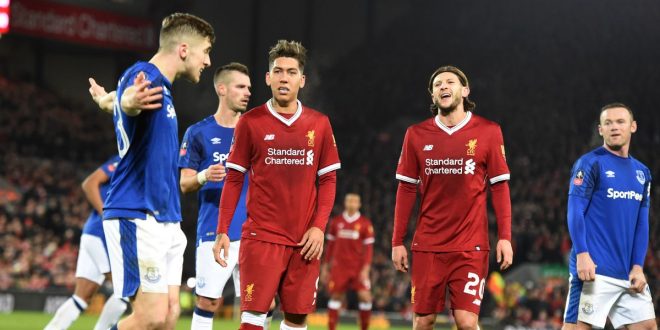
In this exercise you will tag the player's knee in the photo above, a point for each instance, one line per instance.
(208, 304)
(254, 318)
(423, 322)
(151, 321)
(173, 311)
(466, 323)
(297, 319)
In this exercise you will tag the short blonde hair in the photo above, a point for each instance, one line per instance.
(181, 25)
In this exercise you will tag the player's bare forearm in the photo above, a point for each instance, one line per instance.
(102, 98)
(188, 181)
(91, 187)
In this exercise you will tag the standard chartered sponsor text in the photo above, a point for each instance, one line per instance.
(288, 156)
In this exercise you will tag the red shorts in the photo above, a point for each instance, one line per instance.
(269, 268)
(463, 273)
(342, 280)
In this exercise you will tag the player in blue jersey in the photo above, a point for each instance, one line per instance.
(93, 266)
(142, 211)
(202, 157)
(608, 220)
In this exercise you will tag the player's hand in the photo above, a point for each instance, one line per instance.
(400, 258)
(637, 279)
(100, 96)
(586, 268)
(312, 243)
(221, 249)
(140, 96)
(504, 254)
(216, 173)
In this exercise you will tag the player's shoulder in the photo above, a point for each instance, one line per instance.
(639, 165)
(592, 157)
(424, 125)
(313, 113)
(256, 113)
(365, 219)
(484, 123)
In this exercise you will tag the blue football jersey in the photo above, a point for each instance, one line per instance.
(616, 189)
(146, 180)
(94, 224)
(206, 143)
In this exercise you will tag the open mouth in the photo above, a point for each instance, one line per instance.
(445, 96)
(283, 90)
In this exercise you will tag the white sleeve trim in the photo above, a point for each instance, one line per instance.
(503, 177)
(369, 240)
(329, 168)
(330, 237)
(407, 179)
(236, 167)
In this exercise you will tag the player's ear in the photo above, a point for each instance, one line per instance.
(633, 127)
(465, 91)
(221, 89)
(600, 130)
(183, 51)
(268, 78)
(302, 81)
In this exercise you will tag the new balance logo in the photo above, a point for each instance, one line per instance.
(269, 137)
(428, 147)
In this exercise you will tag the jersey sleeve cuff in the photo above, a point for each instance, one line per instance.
(329, 237)
(369, 240)
(500, 178)
(406, 179)
(329, 169)
(236, 167)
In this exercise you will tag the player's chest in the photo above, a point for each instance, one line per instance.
(447, 152)
(348, 231)
(621, 182)
(215, 146)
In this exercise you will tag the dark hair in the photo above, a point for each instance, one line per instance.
(467, 103)
(285, 48)
(178, 24)
(618, 105)
(223, 70)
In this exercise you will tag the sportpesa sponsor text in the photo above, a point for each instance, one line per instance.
(616, 194)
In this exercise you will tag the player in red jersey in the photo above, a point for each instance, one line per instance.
(348, 255)
(451, 159)
(290, 154)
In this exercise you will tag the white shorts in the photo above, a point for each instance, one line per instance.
(211, 277)
(608, 297)
(144, 253)
(93, 261)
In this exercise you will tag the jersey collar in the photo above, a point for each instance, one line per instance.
(287, 122)
(351, 219)
(454, 129)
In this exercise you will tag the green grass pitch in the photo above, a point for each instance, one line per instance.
(36, 320)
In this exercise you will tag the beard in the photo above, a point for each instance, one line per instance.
(615, 147)
(447, 110)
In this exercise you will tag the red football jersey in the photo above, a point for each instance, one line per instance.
(348, 237)
(283, 157)
(452, 167)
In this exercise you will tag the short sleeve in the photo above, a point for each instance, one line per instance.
(496, 166)
(329, 158)
(408, 167)
(241, 147)
(190, 153)
(110, 166)
(584, 177)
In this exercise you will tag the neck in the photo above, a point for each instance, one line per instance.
(351, 213)
(452, 118)
(622, 152)
(164, 62)
(289, 107)
(226, 117)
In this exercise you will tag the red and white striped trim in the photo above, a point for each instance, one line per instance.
(329, 169)
(407, 179)
(236, 167)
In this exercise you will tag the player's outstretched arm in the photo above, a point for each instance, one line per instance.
(102, 98)
(191, 180)
(140, 96)
(91, 187)
(221, 249)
